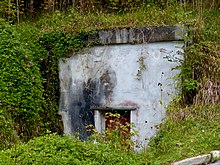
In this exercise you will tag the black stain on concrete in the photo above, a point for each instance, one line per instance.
(94, 92)
(107, 84)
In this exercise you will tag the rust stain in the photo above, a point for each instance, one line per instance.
(129, 104)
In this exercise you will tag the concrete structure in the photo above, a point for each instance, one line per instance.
(121, 76)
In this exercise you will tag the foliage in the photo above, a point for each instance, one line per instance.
(192, 130)
(123, 5)
(187, 132)
(54, 149)
(118, 135)
(29, 80)
(142, 66)
(7, 136)
(201, 64)
(21, 83)
(14, 9)
(201, 60)
(73, 21)
(9, 9)
(57, 44)
(29, 54)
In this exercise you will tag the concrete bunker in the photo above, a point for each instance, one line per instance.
(126, 72)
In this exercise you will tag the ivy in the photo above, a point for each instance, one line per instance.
(60, 43)
(57, 44)
(29, 81)
(21, 87)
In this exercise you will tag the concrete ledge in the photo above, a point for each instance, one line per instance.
(201, 159)
(136, 35)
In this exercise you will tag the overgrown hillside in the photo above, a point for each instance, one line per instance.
(34, 37)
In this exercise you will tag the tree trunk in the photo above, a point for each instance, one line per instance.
(9, 9)
(18, 12)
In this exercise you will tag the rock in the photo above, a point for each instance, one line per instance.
(201, 159)
(215, 155)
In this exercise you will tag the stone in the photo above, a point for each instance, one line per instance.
(136, 35)
(215, 155)
(201, 159)
(215, 163)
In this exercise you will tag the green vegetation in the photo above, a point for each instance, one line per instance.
(21, 89)
(73, 21)
(55, 149)
(187, 132)
(29, 86)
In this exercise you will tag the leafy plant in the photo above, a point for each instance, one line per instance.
(54, 149)
(21, 83)
(117, 134)
(186, 132)
(29, 80)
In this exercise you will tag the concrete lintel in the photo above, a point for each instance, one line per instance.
(114, 108)
(136, 35)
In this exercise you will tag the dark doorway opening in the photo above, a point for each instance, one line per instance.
(118, 120)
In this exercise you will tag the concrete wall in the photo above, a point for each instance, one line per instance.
(120, 76)
(128, 71)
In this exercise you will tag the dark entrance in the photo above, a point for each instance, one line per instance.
(113, 118)
(118, 120)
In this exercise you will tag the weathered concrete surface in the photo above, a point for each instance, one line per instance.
(136, 35)
(198, 160)
(118, 76)
(215, 163)
(213, 157)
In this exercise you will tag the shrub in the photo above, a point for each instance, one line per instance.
(55, 149)
(21, 84)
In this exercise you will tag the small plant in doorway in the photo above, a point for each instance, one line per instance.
(118, 134)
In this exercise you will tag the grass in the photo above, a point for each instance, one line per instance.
(73, 21)
(181, 136)
(187, 132)
(55, 149)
